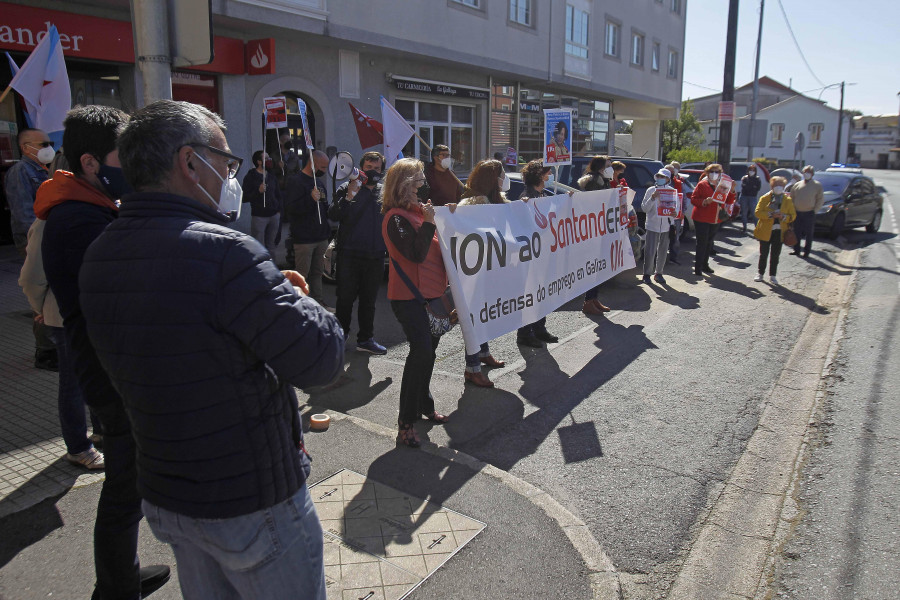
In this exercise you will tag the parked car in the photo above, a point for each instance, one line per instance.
(786, 173)
(639, 174)
(737, 170)
(851, 200)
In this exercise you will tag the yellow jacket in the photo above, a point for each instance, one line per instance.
(763, 231)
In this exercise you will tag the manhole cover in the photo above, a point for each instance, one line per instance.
(381, 543)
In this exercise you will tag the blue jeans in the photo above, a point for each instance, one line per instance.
(748, 210)
(473, 361)
(271, 553)
(70, 399)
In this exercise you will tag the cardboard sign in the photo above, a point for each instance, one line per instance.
(307, 137)
(276, 112)
(557, 136)
(667, 204)
(680, 206)
(723, 189)
(512, 157)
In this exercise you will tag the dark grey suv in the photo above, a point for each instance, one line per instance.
(851, 200)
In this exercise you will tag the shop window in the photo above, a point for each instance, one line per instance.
(448, 124)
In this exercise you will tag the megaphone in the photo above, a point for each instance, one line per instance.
(341, 166)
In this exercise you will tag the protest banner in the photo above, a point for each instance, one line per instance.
(667, 204)
(276, 112)
(557, 137)
(511, 264)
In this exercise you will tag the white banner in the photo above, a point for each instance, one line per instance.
(511, 264)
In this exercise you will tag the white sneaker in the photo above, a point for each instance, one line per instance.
(758, 277)
(91, 459)
(773, 280)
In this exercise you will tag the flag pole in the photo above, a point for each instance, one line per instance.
(5, 93)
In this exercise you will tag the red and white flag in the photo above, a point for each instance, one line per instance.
(370, 131)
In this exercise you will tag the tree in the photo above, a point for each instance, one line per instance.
(683, 132)
(691, 155)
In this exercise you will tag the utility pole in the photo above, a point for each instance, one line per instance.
(762, 6)
(837, 146)
(728, 84)
(151, 37)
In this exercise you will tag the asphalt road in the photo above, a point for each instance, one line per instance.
(847, 540)
(635, 423)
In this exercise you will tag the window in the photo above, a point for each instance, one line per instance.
(654, 58)
(676, 6)
(520, 12)
(612, 39)
(815, 134)
(472, 3)
(576, 32)
(438, 123)
(673, 64)
(637, 49)
(777, 130)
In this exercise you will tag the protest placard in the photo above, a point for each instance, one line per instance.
(276, 112)
(557, 136)
(720, 195)
(511, 264)
(667, 202)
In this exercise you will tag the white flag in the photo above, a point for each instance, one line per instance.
(44, 84)
(396, 132)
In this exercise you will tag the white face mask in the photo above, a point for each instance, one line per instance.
(229, 202)
(549, 179)
(45, 155)
(713, 177)
(608, 172)
(807, 176)
(505, 183)
(446, 163)
(778, 190)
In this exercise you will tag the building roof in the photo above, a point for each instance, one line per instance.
(763, 81)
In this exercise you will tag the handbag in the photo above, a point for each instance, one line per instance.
(441, 312)
(789, 238)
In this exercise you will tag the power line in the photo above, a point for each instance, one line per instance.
(700, 86)
(796, 43)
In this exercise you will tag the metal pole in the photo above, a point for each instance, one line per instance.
(837, 147)
(762, 6)
(728, 83)
(151, 39)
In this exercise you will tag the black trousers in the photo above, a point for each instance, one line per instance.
(415, 398)
(538, 326)
(118, 512)
(804, 227)
(706, 233)
(358, 278)
(774, 245)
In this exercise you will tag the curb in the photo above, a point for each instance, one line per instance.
(601, 571)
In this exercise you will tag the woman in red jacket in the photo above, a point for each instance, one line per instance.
(706, 216)
(411, 238)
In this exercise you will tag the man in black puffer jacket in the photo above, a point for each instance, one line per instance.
(205, 338)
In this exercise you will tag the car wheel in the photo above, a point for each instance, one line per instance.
(837, 226)
(875, 224)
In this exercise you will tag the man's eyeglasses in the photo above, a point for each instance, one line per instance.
(233, 162)
(40, 144)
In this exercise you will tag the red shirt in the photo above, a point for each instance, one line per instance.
(710, 212)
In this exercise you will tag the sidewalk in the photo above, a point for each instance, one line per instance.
(531, 546)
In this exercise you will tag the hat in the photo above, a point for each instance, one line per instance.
(665, 173)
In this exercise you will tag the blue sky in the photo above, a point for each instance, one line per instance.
(854, 41)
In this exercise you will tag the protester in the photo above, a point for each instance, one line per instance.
(774, 212)
(487, 184)
(706, 216)
(618, 179)
(807, 197)
(80, 449)
(750, 184)
(306, 206)
(77, 207)
(21, 184)
(217, 339)
(536, 178)
(261, 191)
(597, 176)
(411, 239)
(677, 224)
(795, 179)
(360, 251)
(443, 186)
(656, 246)
(287, 160)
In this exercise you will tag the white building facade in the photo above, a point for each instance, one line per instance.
(872, 138)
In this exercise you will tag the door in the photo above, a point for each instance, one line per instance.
(856, 201)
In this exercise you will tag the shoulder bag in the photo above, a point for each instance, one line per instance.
(441, 311)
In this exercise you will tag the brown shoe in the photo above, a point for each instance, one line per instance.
(479, 379)
(491, 361)
(600, 305)
(590, 308)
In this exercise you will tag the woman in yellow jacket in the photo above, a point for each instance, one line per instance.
(774, 211)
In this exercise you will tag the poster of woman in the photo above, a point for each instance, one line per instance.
(557, 136)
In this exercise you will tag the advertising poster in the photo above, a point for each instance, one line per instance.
(276, 112)
(557, 136)
(511, 264)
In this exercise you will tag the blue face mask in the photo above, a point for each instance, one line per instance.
(661, 181)
(113, 181)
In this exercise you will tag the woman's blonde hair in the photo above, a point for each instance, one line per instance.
(398, 183)
(778, 179)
